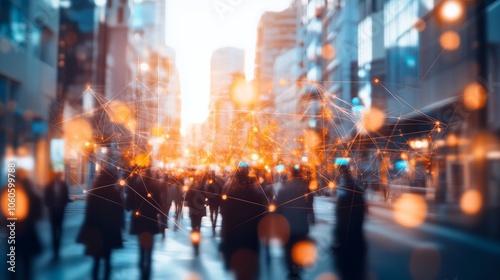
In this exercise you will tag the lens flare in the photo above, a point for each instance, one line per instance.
(410, 210)
(304, 253)
(471, 202)
(449, 40)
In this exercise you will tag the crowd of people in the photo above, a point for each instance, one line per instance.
(251, 210)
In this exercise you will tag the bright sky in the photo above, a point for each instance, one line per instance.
(195, 28)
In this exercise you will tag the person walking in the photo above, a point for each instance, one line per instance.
(101, 229)
(195, 200)
(213, 192)
(293, 205)
(56, 197)
(242, 208)
(144, 201)
(350, 245)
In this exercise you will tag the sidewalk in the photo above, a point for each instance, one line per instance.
(445, 214)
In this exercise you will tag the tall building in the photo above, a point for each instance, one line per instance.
(28, 78)
(226, 65)
(276, 34)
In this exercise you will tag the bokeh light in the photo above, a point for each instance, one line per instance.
(195, 237)
(410, 210)
(449, 40)
(471, 202)
(119, 113)
(244, 92)
(21, 204)
(304, 253)
(78, 133)
(273, 227)
(451, 10)
(328, 51)
(372, 119)
(327, 276)
(475, 96)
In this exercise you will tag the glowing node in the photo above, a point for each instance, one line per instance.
(475, 96)
(304, 253)
(84, 191)
(376, 80)
(185, 188)
(224, 197)
(449, 40)
(410, 210)
(137, 213)
(122, 182)
(149, 195)
(331, 185)
(272, 208)
(471, 202)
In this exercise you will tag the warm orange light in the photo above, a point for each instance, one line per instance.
(119, 112)
(331, 185)
(420, 25)
(449, 40)
(475, 96)
(244, 92)
(224, 197)
(149, 195)
(195, 237)
(327, 276)
(122, 182)
(272, 208)
(185, 188)
(282, 82)
(304, 253)
(372, 119)
(144, 66)
(451, 10)
(137, 213)
(410, 210)
(471, 202)
(15, 205)
(78, 133)
(313, 185)
(142, 160)
(328, 51)
(376, 80)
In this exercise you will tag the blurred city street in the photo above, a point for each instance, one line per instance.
(287, 139)
(431, 251)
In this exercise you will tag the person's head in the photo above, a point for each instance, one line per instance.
(296, 171)
(344, 169)
(242, 171)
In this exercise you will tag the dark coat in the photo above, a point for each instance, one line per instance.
(350, 248)
(241, 212)
(56, 199)
(145, 202)
(195, 200)
(101, 229)
(292, 204)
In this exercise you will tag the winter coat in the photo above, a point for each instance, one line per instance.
(101, 229)
(144, 201)
(292, 204)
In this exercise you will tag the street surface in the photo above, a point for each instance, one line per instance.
(429, 251)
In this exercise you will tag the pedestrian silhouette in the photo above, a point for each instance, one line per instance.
(350, 245)
(28, 211)
(56, 198)
(101, 229)
(213, 192)
(145, 202)
(195, 200)
(293, 205)
(242, 208)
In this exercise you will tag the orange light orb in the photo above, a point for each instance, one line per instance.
(372, 119)
(272, 208)
(328, 51)
(304, 253)
(410, 210)
(15, 204)
(475, 96)
(471, 202)
(195, 237)
(122, 182)
(449, 40)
